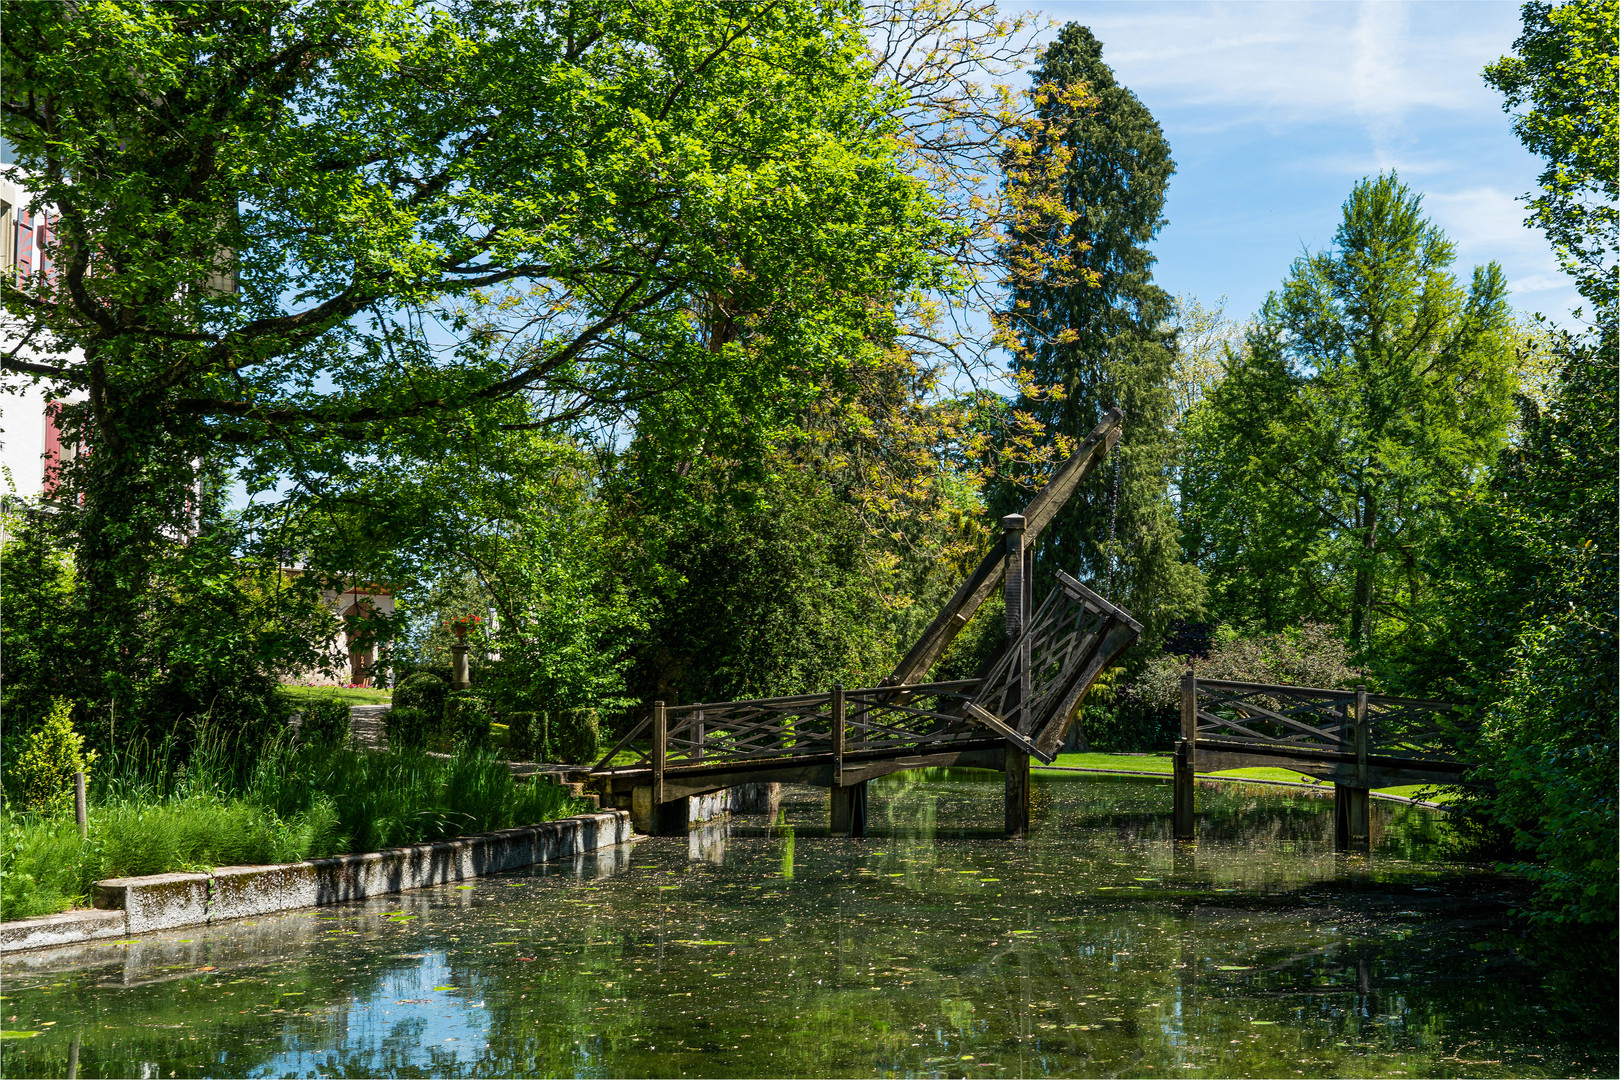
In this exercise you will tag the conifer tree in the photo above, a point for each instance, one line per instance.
(1100, 335)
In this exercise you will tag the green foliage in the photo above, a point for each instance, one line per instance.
(38, 630)
(425, 692)
(41, 776)
(1374, 389)
(405, 796)
(760, 590)
(1564, 71)
(1098, 337)
(526, 737)
(1311, 654)
(409, 726)
(466, 719)
(575, 735)
(325, 722)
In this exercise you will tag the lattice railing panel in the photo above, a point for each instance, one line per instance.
(1300, 716)
(924, 716)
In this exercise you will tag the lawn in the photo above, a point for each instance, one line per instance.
(353, 695)
(1160, 764)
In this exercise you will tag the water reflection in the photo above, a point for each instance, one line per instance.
(759, 945)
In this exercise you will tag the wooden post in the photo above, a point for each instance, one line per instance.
(81, 809)
(836, 719)
(849, 810)
(697, 737)
(1186, 761)
(1352, 805)
(1015, 591)
(660, 749)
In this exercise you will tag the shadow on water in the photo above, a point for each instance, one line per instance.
(931, 948)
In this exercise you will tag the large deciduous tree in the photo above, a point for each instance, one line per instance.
(1565, 74)
(1097, 336)
(1373, 389)
(287, 230)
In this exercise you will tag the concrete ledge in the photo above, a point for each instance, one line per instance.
(239, 891)
(68, 928)
(158, 902)
(164, 901)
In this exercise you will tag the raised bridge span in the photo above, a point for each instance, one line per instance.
(1020, 706)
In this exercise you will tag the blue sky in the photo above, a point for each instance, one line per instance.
(1274, 110)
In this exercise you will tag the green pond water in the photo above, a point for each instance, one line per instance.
(931, 948)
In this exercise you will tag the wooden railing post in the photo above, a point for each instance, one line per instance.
(697, 736)
(660, 751)
(1352, 809)
(1186, 760)
(837, 720)
(1016, 591)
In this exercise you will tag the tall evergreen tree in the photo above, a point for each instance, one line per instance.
(1100, 334)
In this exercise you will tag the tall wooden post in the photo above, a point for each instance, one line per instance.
(1352, 804)
(81, 807)
(698, 729)
(1016, 591)
(848, 801)
(837, 721)
(1186, 760)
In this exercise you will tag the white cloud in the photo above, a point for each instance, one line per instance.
(1295, 61)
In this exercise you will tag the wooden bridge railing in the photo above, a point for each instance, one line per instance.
(884, 719)
(1356, 739)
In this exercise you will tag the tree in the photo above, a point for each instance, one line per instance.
(272, 218)
(1374, 388)
(1565, 70)
(1098, 337)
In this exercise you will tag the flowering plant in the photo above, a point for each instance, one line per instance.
(461, 624)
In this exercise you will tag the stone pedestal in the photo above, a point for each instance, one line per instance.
(460, 678)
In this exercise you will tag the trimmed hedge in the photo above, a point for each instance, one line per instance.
(325, 723)
(466, 718)
(573, 736)
(407, 727)
(425, 692)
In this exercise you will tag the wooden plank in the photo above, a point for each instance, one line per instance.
(1037, 515)
(1264, 714)
(1006, 731)
(624, 742)
(1095, 602)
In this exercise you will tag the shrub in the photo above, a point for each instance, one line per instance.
(52, 753)
(1312, 654)
(407, 727)
(325, 722)
(526, 736)
(425, 692)
(466, 718)
(575, 735)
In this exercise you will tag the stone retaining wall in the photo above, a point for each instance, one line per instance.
(127, 906)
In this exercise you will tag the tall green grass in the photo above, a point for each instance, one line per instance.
(151, 815)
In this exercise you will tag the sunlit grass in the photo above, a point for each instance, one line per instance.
(351, 694)
(1160, 765)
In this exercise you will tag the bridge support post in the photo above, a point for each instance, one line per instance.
(1184, 823)
(1017, 793)
(1352, 803)
(849, 810)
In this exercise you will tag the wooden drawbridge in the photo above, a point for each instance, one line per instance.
(1020, 706)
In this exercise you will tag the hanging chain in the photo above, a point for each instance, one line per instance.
(1113, 521)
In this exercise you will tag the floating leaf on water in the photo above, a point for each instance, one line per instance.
(15, 1034)
(1234, 967)
(463, 886)
(444, 988)
(1262, 1022)
(988, 880)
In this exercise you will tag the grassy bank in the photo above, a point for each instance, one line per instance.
(295, 804)
(1160, 765)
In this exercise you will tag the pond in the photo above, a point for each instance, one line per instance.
(931, 948)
